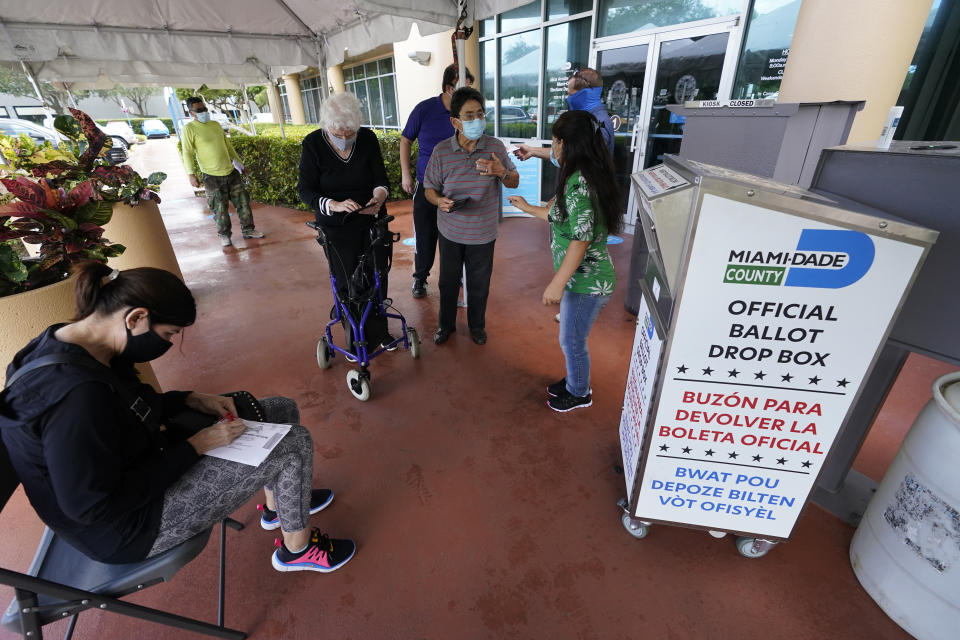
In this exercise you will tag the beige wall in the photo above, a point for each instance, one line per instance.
(854, 50)
(416, 82)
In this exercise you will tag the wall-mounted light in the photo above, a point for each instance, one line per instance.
(423, 57)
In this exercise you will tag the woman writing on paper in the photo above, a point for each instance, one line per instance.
(101, 457)
(342, 178)
(585, 209)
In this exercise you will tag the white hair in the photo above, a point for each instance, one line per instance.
(341, 111)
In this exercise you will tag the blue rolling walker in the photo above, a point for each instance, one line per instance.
(365, 294)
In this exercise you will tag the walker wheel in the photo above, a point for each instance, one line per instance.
(745, 547)
(414, 340)
(359, 385)
(634, 527)
(323, 354)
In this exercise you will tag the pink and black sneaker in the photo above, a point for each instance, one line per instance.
(319, 500)
(323, 554)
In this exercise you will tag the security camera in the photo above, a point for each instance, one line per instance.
(423, 57)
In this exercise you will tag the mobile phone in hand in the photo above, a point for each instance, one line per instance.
(458, 204)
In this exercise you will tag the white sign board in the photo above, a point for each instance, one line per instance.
(736, 104)
(644, 359)
(779, 320)
(659, 179)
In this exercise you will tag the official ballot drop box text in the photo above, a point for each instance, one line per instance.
(764, 307)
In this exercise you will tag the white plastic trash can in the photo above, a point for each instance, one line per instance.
(906, 552)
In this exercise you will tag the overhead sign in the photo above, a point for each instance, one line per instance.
(779, 319)
(644, 360)
(737, 104)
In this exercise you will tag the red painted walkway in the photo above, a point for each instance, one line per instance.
(479, 513)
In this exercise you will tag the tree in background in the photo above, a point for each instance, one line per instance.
(16, 82)
(137, 96)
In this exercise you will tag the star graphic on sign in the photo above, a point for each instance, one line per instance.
(781, 461)
(815, 380)
(687, 449)
(787, 377)
(733, 373)
(707, 371)
(664, 447)
(682, 368)
(806, 465)
(757, 458)
(843, 383)
(709, 452)
(732, 454)
(759, 375)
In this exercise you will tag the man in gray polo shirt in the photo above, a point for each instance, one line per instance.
(463, 180)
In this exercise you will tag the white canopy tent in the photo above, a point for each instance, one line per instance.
(222, 43)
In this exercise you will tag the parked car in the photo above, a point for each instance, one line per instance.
(508, 114)
(122, 129)
(40, 134)
(155, 129)
(117, 154)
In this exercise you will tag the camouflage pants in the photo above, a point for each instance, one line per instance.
(221, 191)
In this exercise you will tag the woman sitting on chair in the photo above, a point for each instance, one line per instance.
(101, 456)
(342, 178)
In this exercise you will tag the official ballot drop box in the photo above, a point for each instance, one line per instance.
(764, 306)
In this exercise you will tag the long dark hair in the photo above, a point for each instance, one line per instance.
(585, 150)
(99, 290)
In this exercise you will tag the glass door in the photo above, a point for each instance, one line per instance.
(624, 72)
(686, 69)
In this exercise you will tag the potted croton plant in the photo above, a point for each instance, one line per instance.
(57, 202)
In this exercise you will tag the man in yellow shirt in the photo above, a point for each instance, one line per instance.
(208, 156)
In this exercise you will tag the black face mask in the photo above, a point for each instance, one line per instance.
(144, 347)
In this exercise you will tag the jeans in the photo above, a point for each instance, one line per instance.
(425, 228)
(577, 313)
(478, 260)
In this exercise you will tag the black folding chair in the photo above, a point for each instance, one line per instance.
(63, 582)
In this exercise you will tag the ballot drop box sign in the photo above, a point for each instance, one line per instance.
(776, 325)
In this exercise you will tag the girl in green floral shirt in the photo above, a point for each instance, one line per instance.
(584, 210)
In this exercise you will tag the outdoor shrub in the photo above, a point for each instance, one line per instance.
(273, 163)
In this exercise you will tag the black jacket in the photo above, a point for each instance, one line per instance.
(94, 471)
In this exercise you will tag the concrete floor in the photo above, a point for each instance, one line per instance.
(478, 512)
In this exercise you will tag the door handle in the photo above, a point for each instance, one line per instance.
(633, 139)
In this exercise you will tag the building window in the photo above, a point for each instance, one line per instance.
(311, 93)
(282, 90)
(375, 84)
(623, 16)
(766, 44)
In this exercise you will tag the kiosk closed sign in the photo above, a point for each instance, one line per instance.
(779, 319)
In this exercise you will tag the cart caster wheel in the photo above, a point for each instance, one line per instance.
(748, 549)
(414, 340)
(635, 527)
(359, 385)
(323, 354)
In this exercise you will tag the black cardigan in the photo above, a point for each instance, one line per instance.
(325, 176)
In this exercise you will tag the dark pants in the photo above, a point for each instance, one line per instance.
(221, 191)
(478, 260)
(425, 227)
(345, 245)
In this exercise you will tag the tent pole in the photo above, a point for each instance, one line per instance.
(27, 70)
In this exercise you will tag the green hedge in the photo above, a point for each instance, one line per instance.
(137, 123)
(273, 163)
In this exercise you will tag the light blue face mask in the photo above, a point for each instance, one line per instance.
(203, 117)
(473, 129)
(553, 159)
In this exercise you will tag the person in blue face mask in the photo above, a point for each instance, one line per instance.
(584, 93)
(463, 181)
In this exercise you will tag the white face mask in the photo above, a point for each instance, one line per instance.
(203, 116)
(342, 143)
